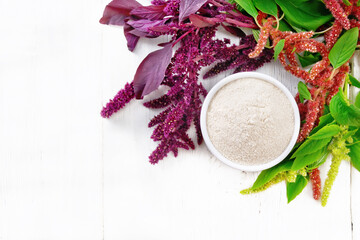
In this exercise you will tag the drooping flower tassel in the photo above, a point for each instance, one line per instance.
(339, 152)
(311, 116)
(332, 35)
(119, 101)
(278, 178)
(264, 35)
(316, 183)
(318, 67)
(338, 82)
(338, 12)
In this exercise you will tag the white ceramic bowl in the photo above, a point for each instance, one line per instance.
(213, 150)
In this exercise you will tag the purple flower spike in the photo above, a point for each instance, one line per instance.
(120, 100)
(191, 26)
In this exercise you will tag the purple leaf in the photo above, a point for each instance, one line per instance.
(130, 38)
(151, 71)
(149, 12)
(234, 31)
(161, 29)
(200, 21)
(117, 10)
(188, 7)
(144, 25)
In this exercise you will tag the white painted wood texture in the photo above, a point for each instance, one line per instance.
(65, 173)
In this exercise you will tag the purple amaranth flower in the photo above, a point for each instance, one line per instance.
(194, 34)
(119, 101)
(237, 58)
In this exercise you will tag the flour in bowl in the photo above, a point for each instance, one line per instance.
(250, 121)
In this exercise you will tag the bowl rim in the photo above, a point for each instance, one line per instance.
(216, 153)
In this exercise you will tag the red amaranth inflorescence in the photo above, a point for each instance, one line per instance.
(338, 12)
(316, 183)
(318, 67)
(332, 35)
(311, 116)
(264, 35)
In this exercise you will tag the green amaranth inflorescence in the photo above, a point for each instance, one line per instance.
(278, 178)
(302, 172)
(339, 152)
(291, 176)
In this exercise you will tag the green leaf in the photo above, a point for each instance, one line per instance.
(256, 34)
(344, 48)
(350, 133)
(278, 48)
(268, 6)
(358, 3)
(324, 120)
(308, 58)
(319, 162)
(284, 26)
(357, 100)
(307, 14)
(295, 188)
(326, 109)
(343, 112)
(311, 146)
(354, 81)
(355, 155)
(356, 136)
(326, 132)
(237, 5)
(248, 6)
(297, 29)
(303, 91)
(268, 174)
(303, 161)
(346, 2)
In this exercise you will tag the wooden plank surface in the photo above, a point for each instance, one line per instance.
(50, 130)
(65, 173)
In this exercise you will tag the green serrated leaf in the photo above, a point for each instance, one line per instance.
(278, 48)
(256, 34)
(319, 162)
(311, 146)
(308, 59)
(295, 188)
(346, 2)
(303, 161)
(326, 132)
(284, 26)
(357, 100)
(350, 133)
(304, 91)
(324, 120)
(297, 29)
(355, 155)
(248, 6)
(344, 48)
(354, 81)
(356, 136)
(343, 112)
(268, 6)
(268, 174)
(306, 14)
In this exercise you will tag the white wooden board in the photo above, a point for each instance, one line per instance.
(65, 173)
